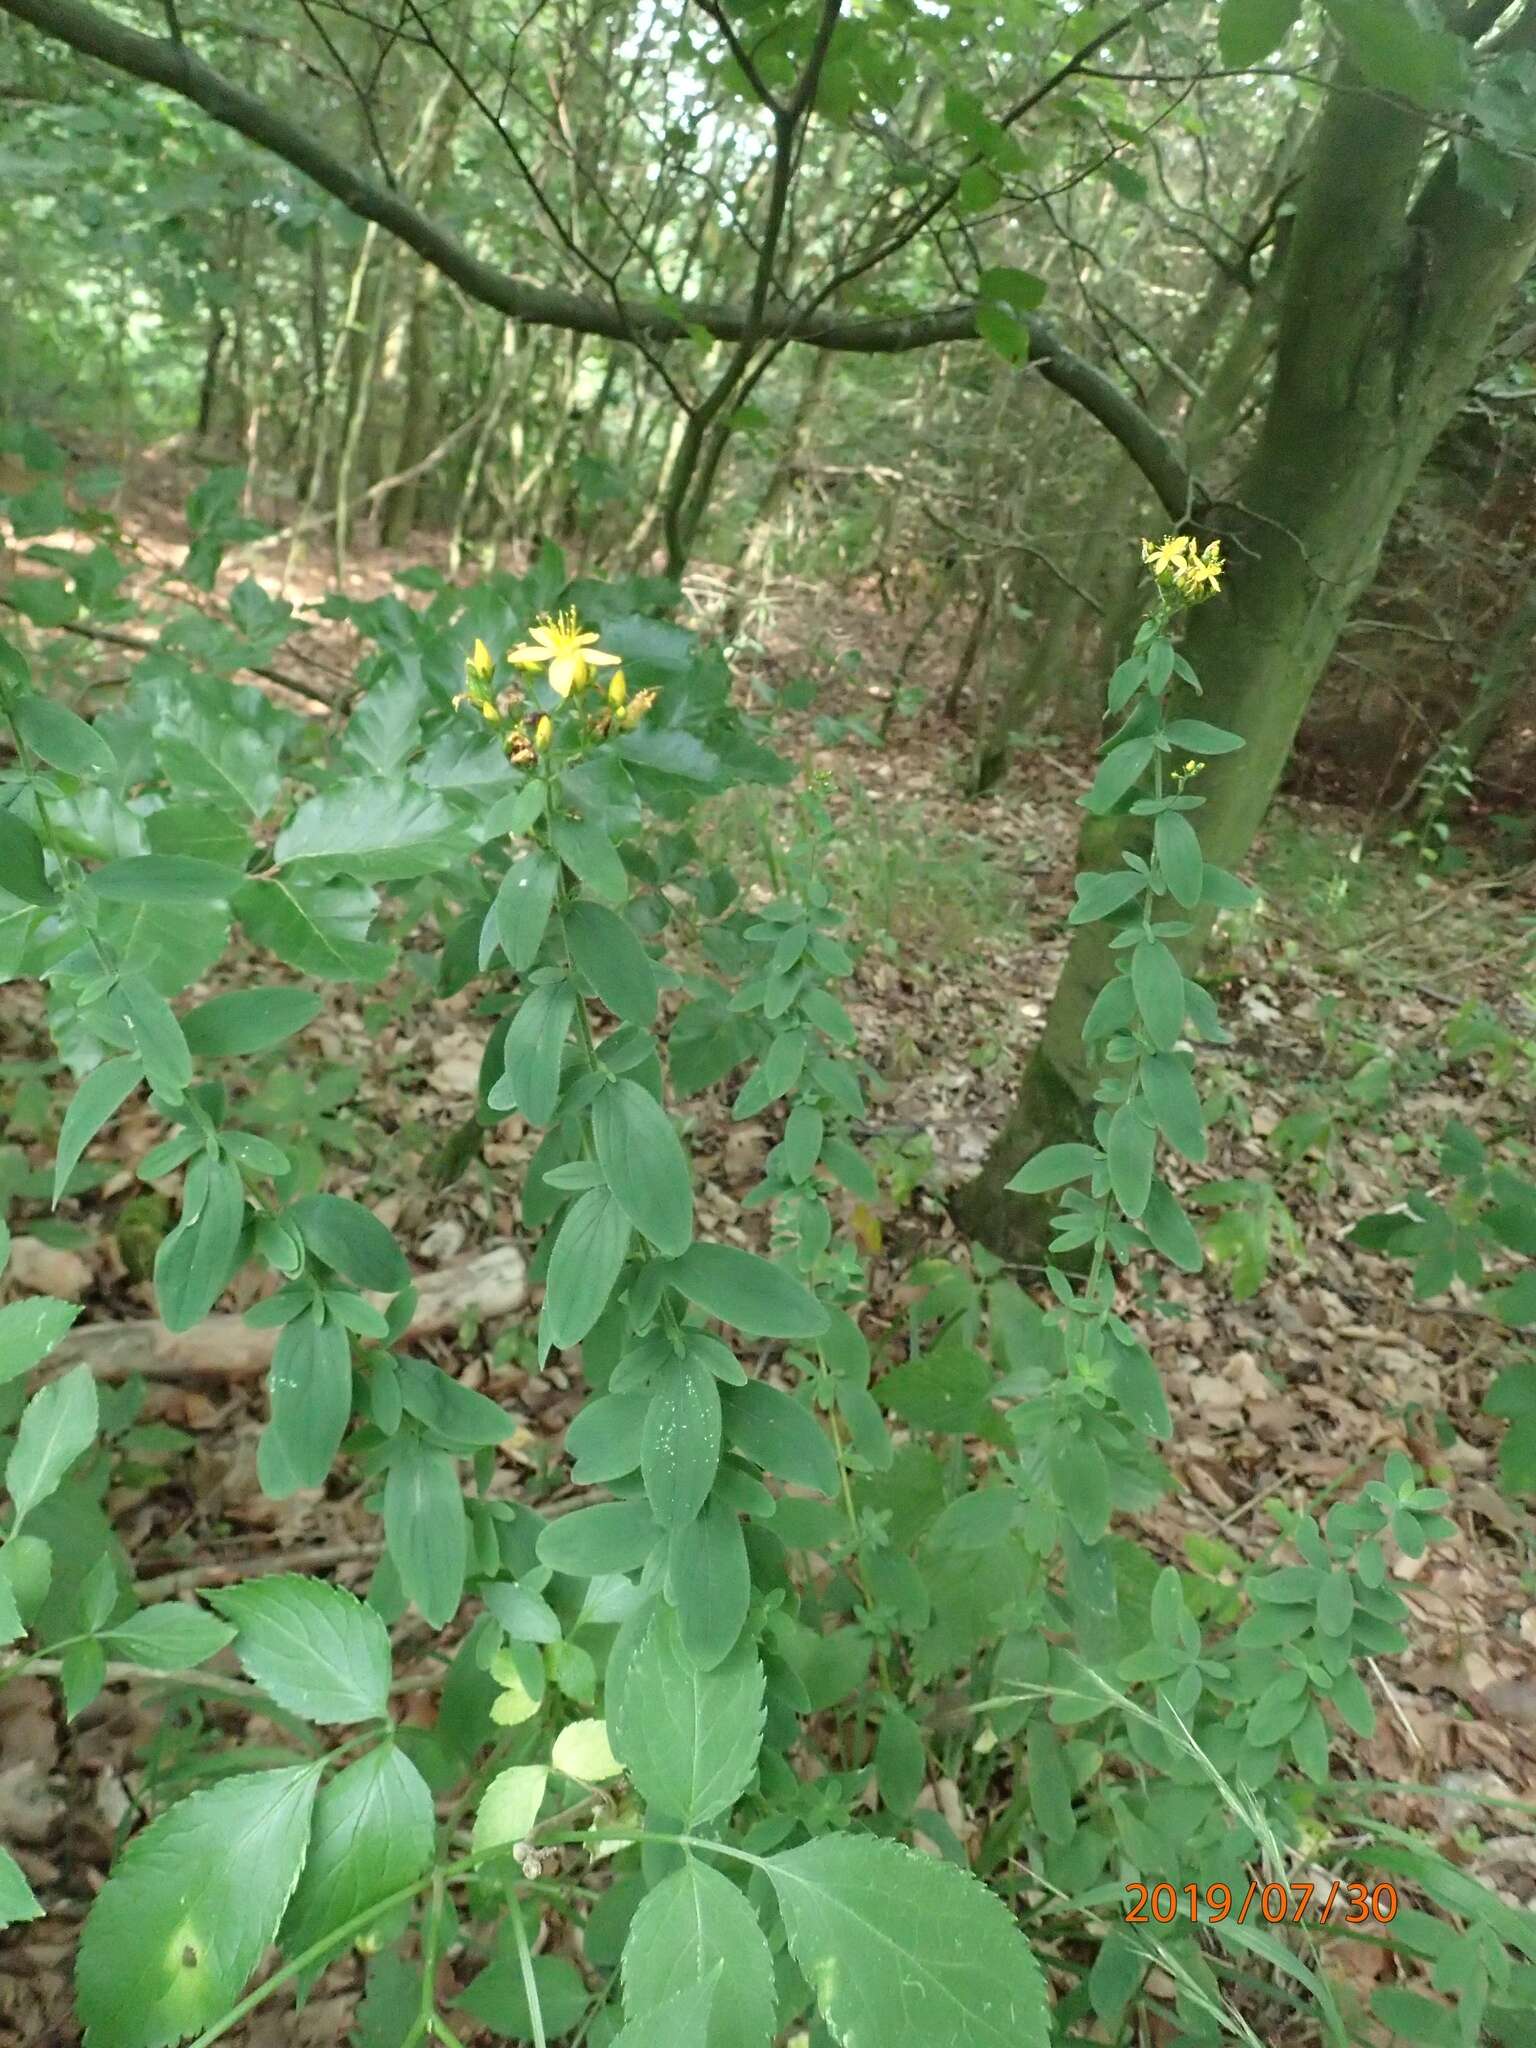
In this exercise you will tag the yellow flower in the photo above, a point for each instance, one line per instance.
(543, 733)
(483, 705)
(1202, 573)
(1167, 556)
(570, 653)
(480, 663)
(618, 690)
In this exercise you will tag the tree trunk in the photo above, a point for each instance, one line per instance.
(1365, 378)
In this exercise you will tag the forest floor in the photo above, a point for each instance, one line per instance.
(1370, 1007)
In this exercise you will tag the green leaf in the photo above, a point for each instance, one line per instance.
(18, 1901)
(1170, 1229)
(317, 930)
(689, 1738)
(904, 1948)
(22, 873)
(778, 1433)
(615, 1537)
(582, 1750)
(353, 1240)
(644, 1165)
(751, 1293)
(694, 1929)
(1054, 1168)
(532, 1052)
(591, 856)
(197, 1260)
(499, 1999)
(584, 1267)
(1397, 53)
(1119, 772)
(682, 2022)
(310, 1392)
(1005, 335)
(680, 1445)
(522, 907)
(316, 1649)
(373, 1833)
(29, 1330)
(606, 953)
(98, 1098)
(901, 1762)
(424, 1526)
(57, 1425)
(165, 878)
(1020, 290)
(63, 740)
(157, 1037)
(1169, 1089)
(1194, 736)
(191, 1907)
(1158, 986)
(1050, 1788)
(379, 829)
(509, 1806)
(1129, 1148)
(203, 830)
(1251, 30)
(1177, 848)
(248, 1020)
(170, 1637)
(709, 1583)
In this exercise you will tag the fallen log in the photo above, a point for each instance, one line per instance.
(223, 1347)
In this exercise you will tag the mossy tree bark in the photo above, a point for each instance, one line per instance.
(1393, 283)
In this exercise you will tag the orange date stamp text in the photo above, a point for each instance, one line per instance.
(1275, 1903)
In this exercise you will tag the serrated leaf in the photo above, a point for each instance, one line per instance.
(903, 1947)
(688, 1738)
(190, 1909)
(315, 1649)
(373, 1833)
(694, 1929)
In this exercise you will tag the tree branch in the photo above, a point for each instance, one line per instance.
(172, 65)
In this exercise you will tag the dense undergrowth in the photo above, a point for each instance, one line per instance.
(848, 1577)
